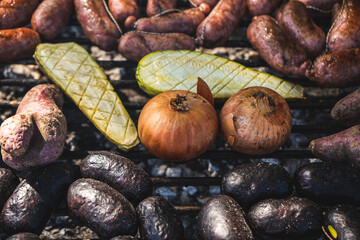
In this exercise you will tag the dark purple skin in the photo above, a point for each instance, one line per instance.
(261, 7)
(339, 147)
(24, 236)
(218, 26)
(16, 13)
(347, 110)
(276, 47)
(159, 220)
(345, 32)
(17, 44)
(222, 218)
(280, 219)
(8, 183)
(345, 220)
(124, 238)
(101, 208)
(252, 182)
(51, 16)
(338, 69)
(30, 206)
(158, 6)
(295, 20)
(96, 24)
(135, 45)
(177, 22)
(120, 173)
(328, 184)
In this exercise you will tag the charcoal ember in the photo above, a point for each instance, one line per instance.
(8, 183)
(24, 236)
(100, 207)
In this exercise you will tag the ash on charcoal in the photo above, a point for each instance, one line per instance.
(169, 193)
(190, 190)
(173, 172)
(159, 170)
(22, 71)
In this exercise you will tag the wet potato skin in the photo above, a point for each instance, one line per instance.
(280, 219)
(328, 184)
(159, 220)
(120, 173)
(222, 218)
(252, 182)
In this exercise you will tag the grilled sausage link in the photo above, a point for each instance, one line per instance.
(180, 22)
(197, 3)
(338, 69)
(158, 6)
(51, 16)
(135, 45)
(17, 43)
(275, 46)
(217, 27)
(260, 7)
(122, 9)
(320, 5)
(294, 19)
(16, 13)
(96, 24)
(345, 33)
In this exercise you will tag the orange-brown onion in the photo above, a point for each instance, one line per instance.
(255, 120)
(178, 125)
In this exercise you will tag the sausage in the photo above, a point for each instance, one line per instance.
(319, 5)
(276, 48)
(345, 32)
(16, 13)
(335, 12)
(96, 24)
(294, 19)
(217, 27)
(158, 6)
(197, 3)
(17, 43)
(135, 45)
(51, 16)
(260, 7)
(122, 9)
(338, 69)
(180, 22)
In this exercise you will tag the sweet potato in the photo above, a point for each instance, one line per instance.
(339, 147)
(347, 110)
(8, 183)
(35, 136)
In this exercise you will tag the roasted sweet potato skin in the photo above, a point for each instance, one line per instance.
(339, 147)
(347, 110)
(36, 135)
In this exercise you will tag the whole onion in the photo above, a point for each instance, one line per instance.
(256, 120)
(178, 125)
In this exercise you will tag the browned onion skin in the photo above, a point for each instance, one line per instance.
(276, 47)
(294, 19)
(178, 136)
(345, 33)
(255, 120)
(260, 7)
(122, 9)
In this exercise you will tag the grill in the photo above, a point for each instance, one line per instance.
(310, 120)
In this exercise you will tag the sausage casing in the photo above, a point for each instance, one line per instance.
(158, 6)
(260, 7)
(16, 13)
(121, 9)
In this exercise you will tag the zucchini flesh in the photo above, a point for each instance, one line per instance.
(179, 69)
(71, 67)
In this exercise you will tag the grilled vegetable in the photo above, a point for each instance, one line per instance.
(252, 182)
(328, 184)
(70, 66)
(120, 173)
(280, 219)
(103, 209)
(224, 77)
(24, 236)
(347, 110)
(222, 218)
(8, 183)
(342, 222)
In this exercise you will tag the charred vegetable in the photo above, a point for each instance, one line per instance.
(120, 173)
(24, 236)
(342, 223)
(347, 110)
(252, 182)
(255, 120)
(295, 218)
(159, 220)
(100, 207)
(8, 183)
(222, 218)
(328, 184)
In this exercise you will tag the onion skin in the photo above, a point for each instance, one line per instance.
(255, 120)
(178, 136)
